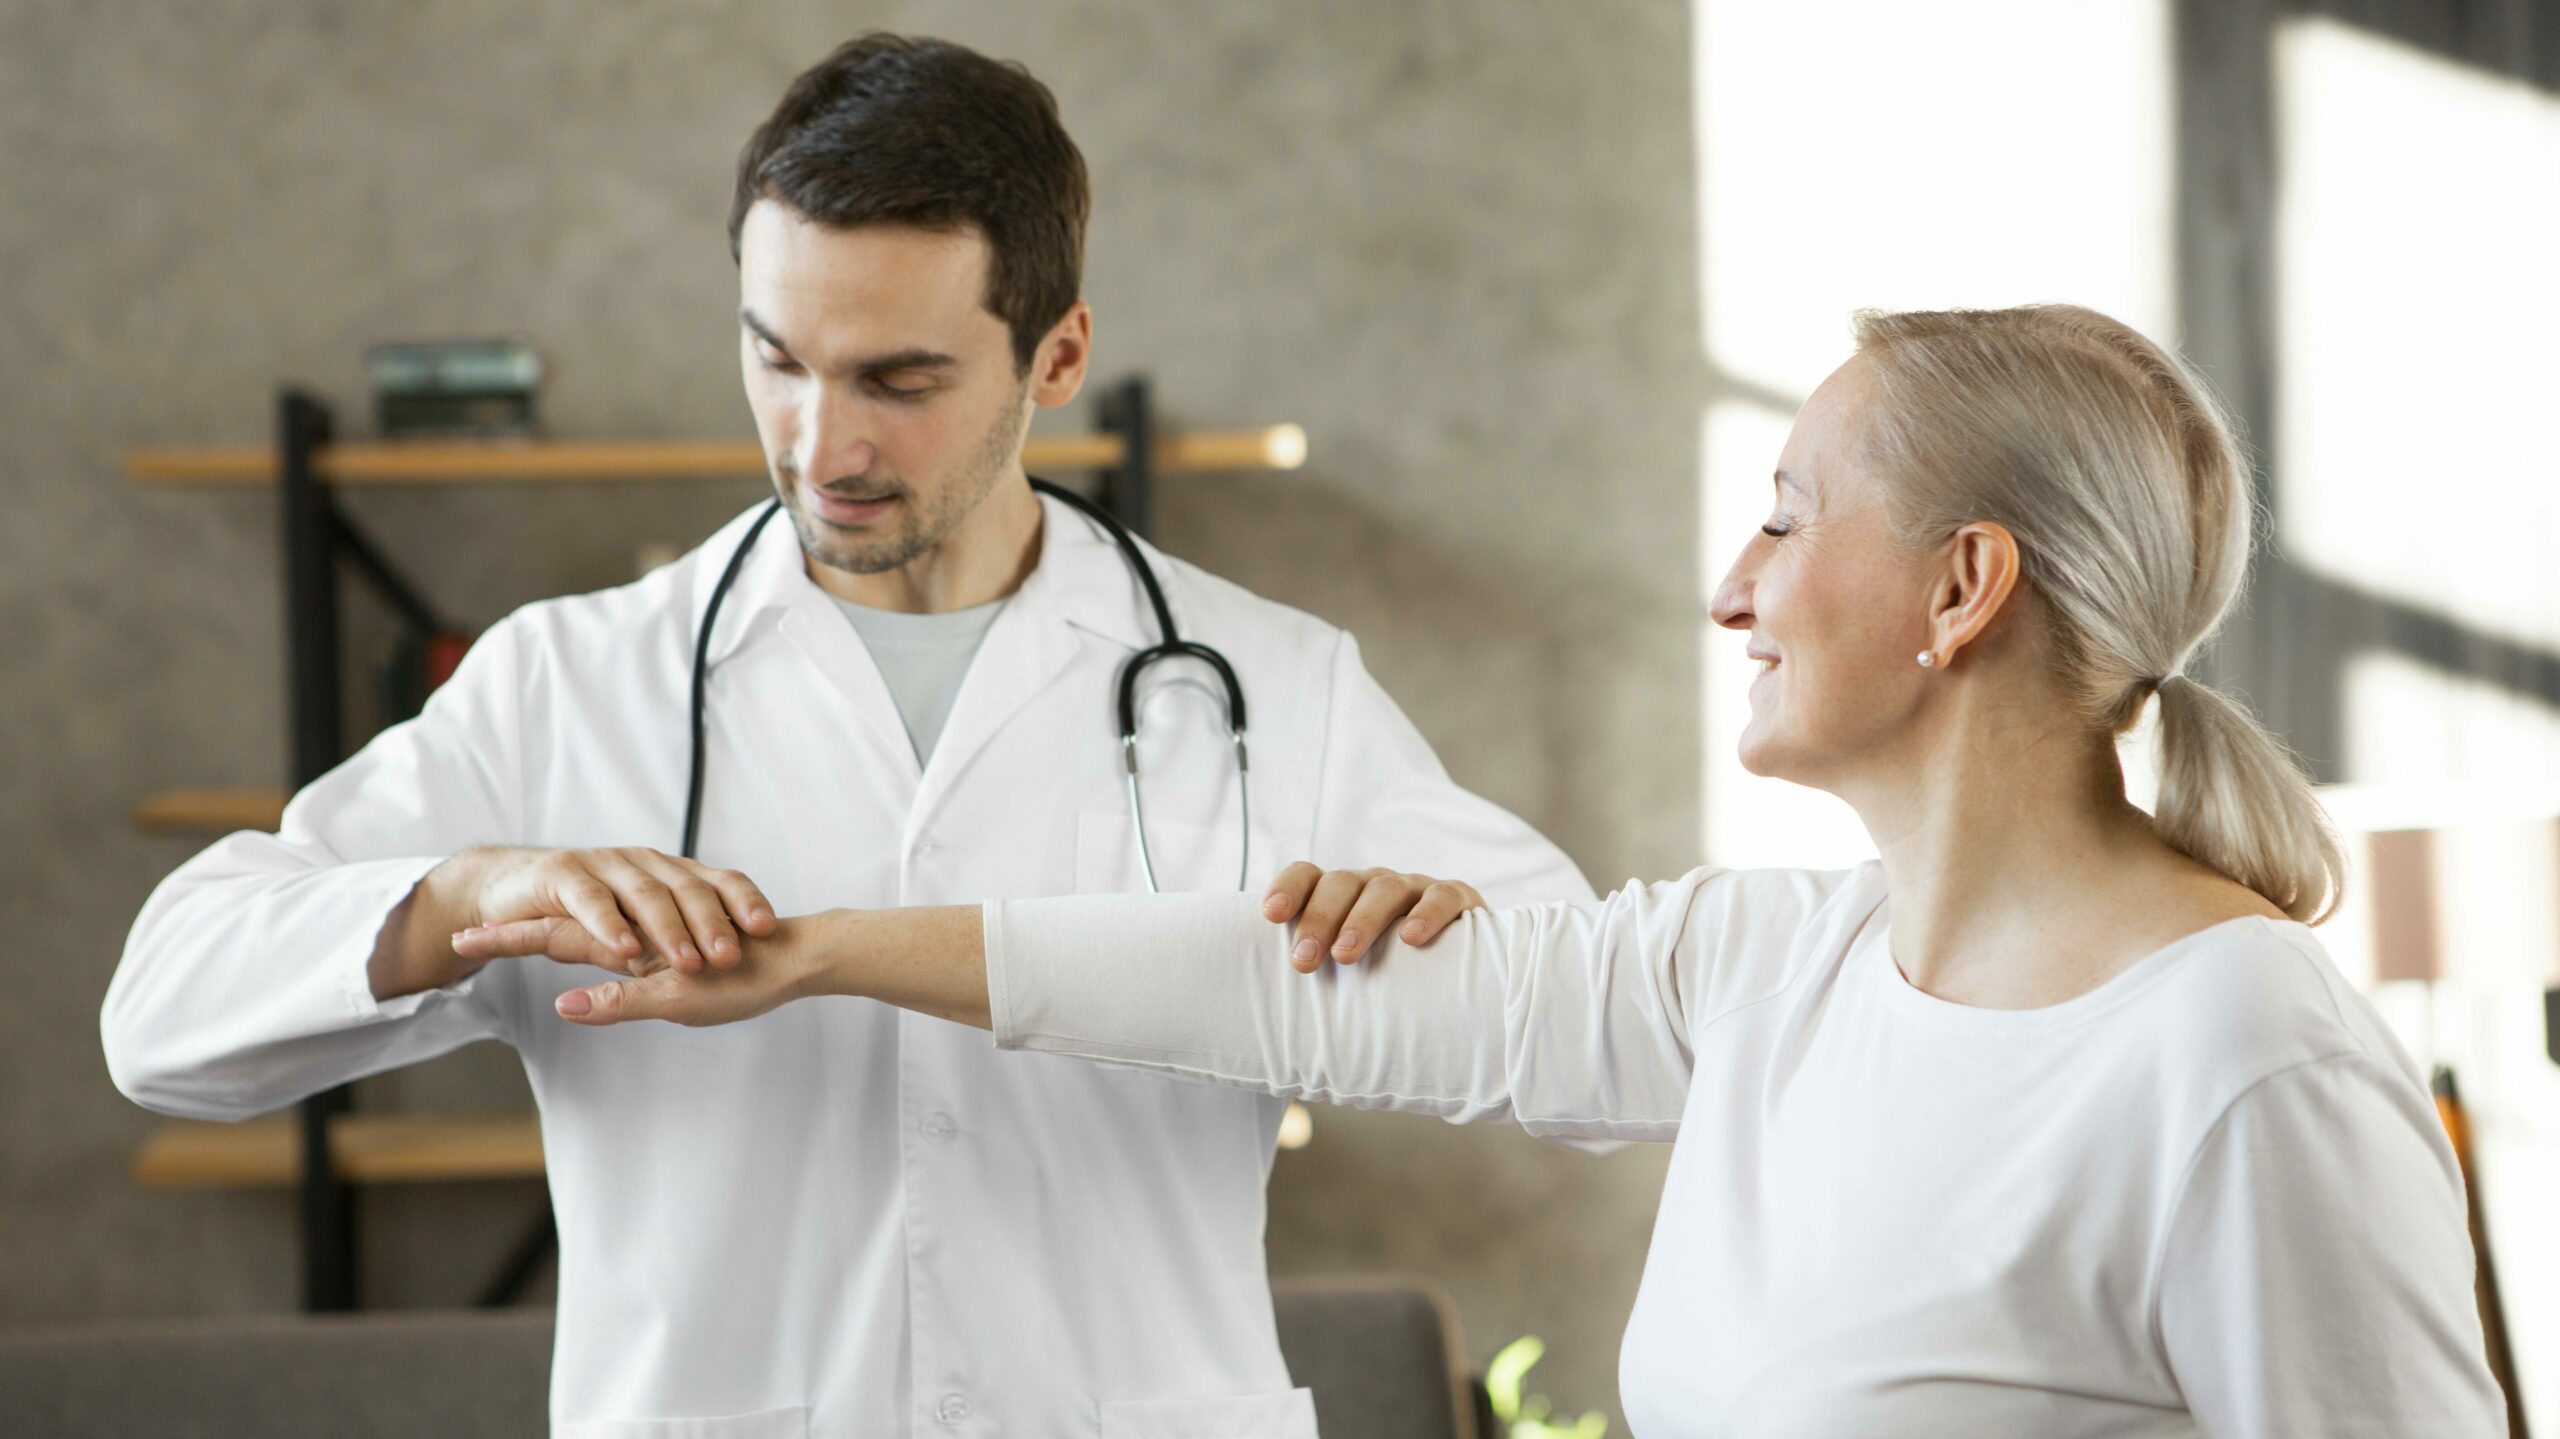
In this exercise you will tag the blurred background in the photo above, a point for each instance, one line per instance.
(1542, 283)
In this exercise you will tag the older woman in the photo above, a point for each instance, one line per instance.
(2053, 1120)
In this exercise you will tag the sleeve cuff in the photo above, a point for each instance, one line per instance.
(384, 887)
(1000, 1020)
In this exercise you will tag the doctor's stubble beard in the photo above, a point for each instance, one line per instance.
(923, 525)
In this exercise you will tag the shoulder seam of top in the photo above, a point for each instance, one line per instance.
(2321, 974)
(2155, 1267)
(1793, 975)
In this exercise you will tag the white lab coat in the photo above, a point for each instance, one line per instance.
(840, 1218)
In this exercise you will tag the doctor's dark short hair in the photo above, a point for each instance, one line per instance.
(892, 130)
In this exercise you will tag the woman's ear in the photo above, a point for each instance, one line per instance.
(1979, 569)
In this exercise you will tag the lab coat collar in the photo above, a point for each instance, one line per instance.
(1080, 579)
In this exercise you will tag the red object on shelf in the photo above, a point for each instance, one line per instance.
(444, 656)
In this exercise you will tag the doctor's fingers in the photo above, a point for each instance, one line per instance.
(1443, 900)
(564, 884)
(716, 903)
(550, 937)
(1349, 909)
(1324, 925)
(747, 905)
(1426, 906)
(1289, 890)
(681, 916)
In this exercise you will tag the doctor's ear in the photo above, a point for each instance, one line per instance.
(1971, 584)
(1058, 366)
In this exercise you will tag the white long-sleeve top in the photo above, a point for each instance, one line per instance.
(839, 1219)
(2208, 1197)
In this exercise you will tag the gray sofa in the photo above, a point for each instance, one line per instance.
(1382, 1356)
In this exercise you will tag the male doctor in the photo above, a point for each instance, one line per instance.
(840, 1219)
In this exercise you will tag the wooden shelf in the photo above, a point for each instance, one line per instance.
(1273, 447)
(221, 811)
(364, 1148)
(210, 811)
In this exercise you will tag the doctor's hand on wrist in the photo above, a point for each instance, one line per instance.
(633, 910)
(1341, 913)
(770, 971)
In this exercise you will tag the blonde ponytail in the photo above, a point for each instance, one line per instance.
(2120, 477)
(2234, 798)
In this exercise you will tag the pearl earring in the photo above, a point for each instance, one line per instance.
(1928, 659)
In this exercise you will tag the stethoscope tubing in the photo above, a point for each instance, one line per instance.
(1169, 645)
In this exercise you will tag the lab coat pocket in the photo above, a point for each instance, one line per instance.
(1290, 1414)
(790, 1422)
(1189, 858)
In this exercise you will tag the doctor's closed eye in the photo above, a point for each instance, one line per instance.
(900, 385)
(888, 384)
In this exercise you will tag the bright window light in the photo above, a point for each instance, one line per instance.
(2419, 221)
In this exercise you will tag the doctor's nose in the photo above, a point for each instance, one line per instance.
(833, 443)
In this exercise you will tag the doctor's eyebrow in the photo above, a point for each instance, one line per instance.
(891, 362)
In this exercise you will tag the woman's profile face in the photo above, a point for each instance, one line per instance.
(1836, 610)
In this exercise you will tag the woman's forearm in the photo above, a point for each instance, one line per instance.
(1199, 986)
(1564, 1018)
(932, 960)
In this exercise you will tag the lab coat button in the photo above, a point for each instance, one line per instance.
(939, 1126)
(952, 1409)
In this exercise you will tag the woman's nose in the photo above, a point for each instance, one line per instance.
(1731, 606)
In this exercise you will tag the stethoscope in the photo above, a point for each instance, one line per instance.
(1170, 646)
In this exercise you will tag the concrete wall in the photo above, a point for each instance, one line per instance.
(1452, 239)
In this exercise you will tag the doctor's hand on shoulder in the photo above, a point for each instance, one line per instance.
(632, 910)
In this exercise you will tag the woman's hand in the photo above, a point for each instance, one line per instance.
(1343, 911)
(705, 997)
(766, 973)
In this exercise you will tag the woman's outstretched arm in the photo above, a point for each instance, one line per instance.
(1566, 1018)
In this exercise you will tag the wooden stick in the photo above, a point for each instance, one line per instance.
(364, 1148)
(1273, 447)
(210, 811)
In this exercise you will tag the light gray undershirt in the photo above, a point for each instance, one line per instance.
(923, 658)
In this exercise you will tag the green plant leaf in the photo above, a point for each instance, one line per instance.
(1503, 1375)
